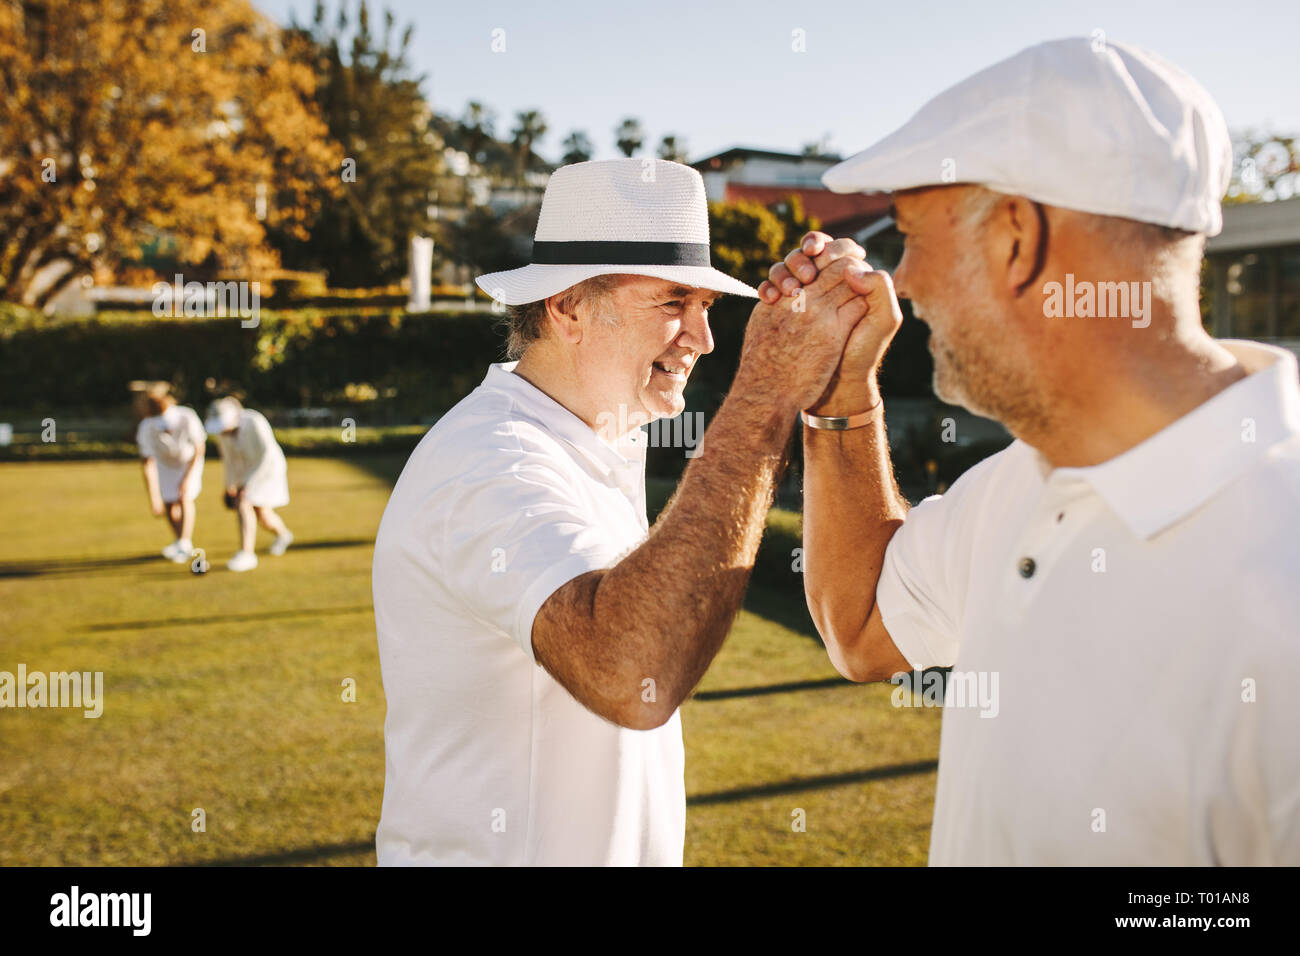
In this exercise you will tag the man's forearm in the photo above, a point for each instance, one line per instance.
(673, 599)
(852, 508)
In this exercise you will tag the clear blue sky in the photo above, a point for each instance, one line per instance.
(724, 74)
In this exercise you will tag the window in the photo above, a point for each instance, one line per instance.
(1249, 288)
(1288, 293)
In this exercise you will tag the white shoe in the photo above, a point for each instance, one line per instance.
(184, 551)
(172, 551)
(242, 561)
(281, 544)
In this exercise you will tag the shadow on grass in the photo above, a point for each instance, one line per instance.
(386, 466)
(226, 618)
(781, 606)
(802, 784)
(766, 689)
(309, 854)
(32, 569)
(70, 567)
(331, 543)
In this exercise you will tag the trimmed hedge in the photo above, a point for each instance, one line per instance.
(418, 364)
(291, 359)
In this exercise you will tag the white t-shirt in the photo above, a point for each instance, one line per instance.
(172, 439)
(489, 759)
(1142, 618)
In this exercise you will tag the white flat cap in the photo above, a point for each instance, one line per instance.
(1080, 123)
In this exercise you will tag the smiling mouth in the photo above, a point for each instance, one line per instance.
(675, 372)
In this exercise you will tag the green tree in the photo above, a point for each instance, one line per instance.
(479, 241)
(821, 147)
(672, 149)
(477, 128)
(577, 148)
(629, 136)
(1266, 167)
(530, 126)
(376, 112)
(747, 237)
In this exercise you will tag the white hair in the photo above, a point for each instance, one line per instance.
(525, 324)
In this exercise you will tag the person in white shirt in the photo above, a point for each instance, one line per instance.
(1116, 592)
(536, 637)
(256, 477)
(172, 445)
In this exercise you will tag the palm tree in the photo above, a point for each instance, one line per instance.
(672, 149)
(530, 126)
(821, 147)
(577, 148)
(630, 136)
(477, 127)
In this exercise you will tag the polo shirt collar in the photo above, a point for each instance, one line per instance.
(1160, 481)
(627, 452)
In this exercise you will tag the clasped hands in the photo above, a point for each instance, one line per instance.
(822, 325)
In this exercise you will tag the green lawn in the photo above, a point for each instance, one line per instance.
(223, 692)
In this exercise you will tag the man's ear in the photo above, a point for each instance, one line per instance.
(1018, 233)
(563, 319)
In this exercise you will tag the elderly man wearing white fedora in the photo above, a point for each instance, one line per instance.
(1123, 577)
(257, 478)
(535, 635)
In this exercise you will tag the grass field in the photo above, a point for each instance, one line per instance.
(223, 693)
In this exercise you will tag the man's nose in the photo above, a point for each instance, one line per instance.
(902, 278)
(696, 333)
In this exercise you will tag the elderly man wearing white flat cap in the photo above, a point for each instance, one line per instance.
(1123, 577)
(536, 637)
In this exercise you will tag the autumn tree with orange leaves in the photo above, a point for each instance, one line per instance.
(130, 122)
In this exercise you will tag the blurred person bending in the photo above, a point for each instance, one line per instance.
(256, 477)
(172, 447)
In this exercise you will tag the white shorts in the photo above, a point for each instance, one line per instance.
(169, 483)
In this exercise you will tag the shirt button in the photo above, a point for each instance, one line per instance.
(1027, 567)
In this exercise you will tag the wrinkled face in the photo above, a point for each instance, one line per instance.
(948, 272)
(643, 343)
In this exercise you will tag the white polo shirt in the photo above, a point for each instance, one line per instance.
(1143, 620)
(489, 759)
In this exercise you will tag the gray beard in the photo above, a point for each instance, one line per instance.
(979, 385)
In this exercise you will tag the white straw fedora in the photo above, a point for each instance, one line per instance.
(645, 217)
